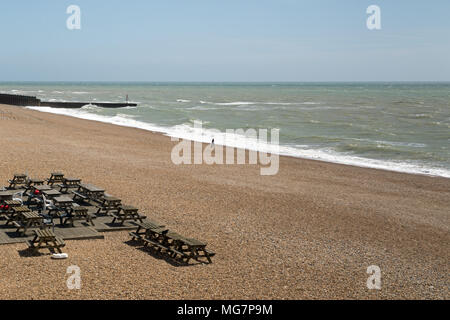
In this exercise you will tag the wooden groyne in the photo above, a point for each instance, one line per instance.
(77, 105)
(19, 100)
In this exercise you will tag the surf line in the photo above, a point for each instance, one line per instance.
(214, 153)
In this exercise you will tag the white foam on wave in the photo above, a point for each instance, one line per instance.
(23, 92)
(187, 131)
(128, 107)
(200, 108)
(91, 107)
(238, 103)
(83, 113)
(249, 103)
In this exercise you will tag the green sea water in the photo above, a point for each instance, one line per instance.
(394, 126)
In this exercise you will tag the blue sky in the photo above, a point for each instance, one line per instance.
(227, 40)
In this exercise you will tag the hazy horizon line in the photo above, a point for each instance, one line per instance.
(222, 82)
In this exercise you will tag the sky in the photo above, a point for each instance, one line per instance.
(227, 40)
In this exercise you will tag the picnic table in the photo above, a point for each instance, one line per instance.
(28, 220)
(46, 239)
(88, 192)
(36, 190)
(19, 179)
(76, 213)
(189, 248)
(61, 207)
(63, 202)
(127, 213)
(55, 177)
(33, 182)
(7, 194)
(153, 236)
(144, 228)
(8, 205)
(52, 194)
(69, 183)
(108, 204)
(177, 246)
(14, 213)
(186, 248)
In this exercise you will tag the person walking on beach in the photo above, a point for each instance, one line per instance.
(212, 144)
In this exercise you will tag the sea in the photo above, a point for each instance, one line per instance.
(396, 126)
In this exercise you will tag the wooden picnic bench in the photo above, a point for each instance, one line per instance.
(32, 182)
(36, 191)
(79, 197)
(108, 204)
(77, 213)
(55, 177)
(28, 220)
(90, 191)
(143, 229)
(14, 213)
(8, 205)
(51, 194)
(19, 179)
(8, 194)
(155, 237)
(176, 245)
(69, 183)
(63, 202)
(61, 206)
(189, 248)
(68, 213)
(46, 239)
(127, 213)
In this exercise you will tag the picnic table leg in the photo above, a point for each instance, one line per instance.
(137, 232)
(50, 248)
(41, 224)
(192, 255)
(61, 220)
(39, 245)
(207, 256)
(123, 219)
(70, 218)
(173, 254)
(89, 219)
(57, 248)
(25, 229)
(179, 248)
(21, 226)
(33, 243)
